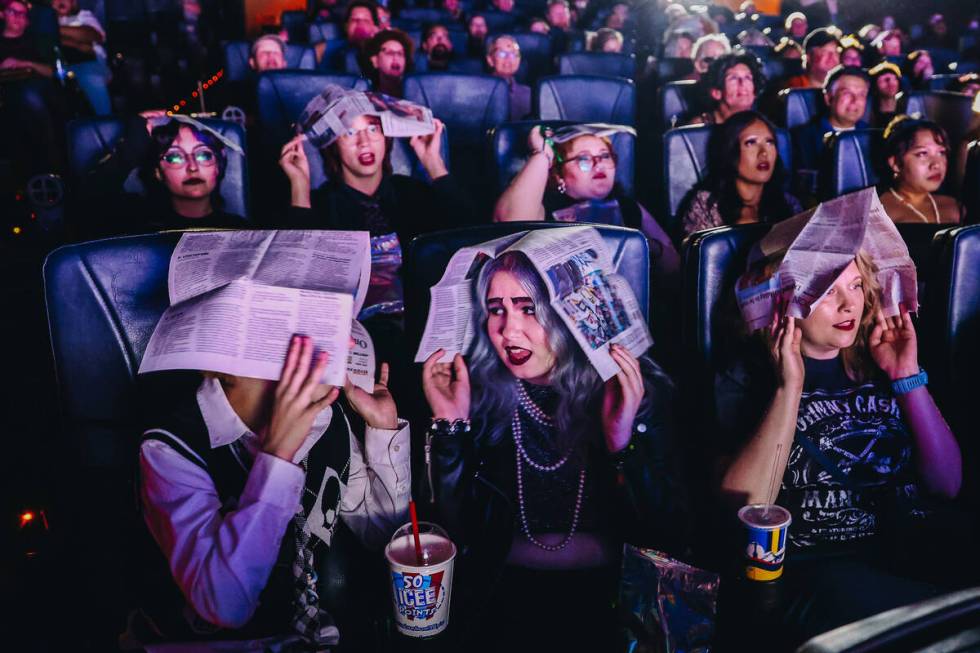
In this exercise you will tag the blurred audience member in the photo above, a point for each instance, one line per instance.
(968, 84)
(745, 181)
(754, 37)
(846, 96)
(607, 40)
(678, 46)
(539, 26)
(268, 53)
(391, 54)
(886, 85)
(730, 85)
(453, 9)
(504, 59)
(361, 23)
(851, 51)
(822, 56)
(917, 156)
(80, 31)
(787, 48)
(888, 43)
(437, 46)
(937, 34)
(476, 30)
(869, 33)
(918, 70)
(796, 26)
(618, 16)
(707, 49)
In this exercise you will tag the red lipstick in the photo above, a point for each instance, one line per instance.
(517, 355)
(847, 325)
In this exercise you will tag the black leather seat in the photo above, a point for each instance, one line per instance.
(685, 164)
(91, 139)
(953, 111)
(237, 52)
(427, 256)
(853, 160)
(282, 96)
(508, 145)
(607, 64)
(586, 98)
(970, 195)
(678, 102)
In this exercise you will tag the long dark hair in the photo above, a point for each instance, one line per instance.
(725, 150)
(163, 138)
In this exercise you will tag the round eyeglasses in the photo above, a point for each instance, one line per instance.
(177, 158)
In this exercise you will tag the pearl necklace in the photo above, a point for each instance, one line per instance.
(539, 416)
(935, 209)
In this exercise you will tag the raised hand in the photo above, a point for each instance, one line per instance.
(784, 343)
(296, 404)
(535, 139)
(894, 346)
(377, 408)
(427, 150)
(621, 399)
(446, 387)
(293, 161)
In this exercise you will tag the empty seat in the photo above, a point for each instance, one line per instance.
(586, 98)
(500, 21)
(800, 105)
(609, 64)
(92, 139)
(678, 102)
(942, 57)
(853, 160)
(237, 53)
(508, 144)
(282, 96)
(321, 31)
(685, 164)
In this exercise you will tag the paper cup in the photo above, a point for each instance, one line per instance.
(767, 527)
(421, 593)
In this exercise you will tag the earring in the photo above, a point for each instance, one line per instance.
(561, 185)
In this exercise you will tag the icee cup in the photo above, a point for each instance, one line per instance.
(767, 526)
(421, 592)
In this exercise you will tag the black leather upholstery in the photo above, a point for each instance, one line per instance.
(91, 139)
(586, 98)
(853, 156)
(508, 144)
(237, 52)
(686, 162)
(607, 64)
(970, 195)
(678, 101)
(427, 256)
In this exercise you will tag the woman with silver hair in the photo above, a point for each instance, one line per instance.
(541, 471)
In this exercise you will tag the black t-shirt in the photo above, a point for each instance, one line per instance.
(22, 48)
(864, 470)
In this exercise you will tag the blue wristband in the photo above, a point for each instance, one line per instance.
(910, 383)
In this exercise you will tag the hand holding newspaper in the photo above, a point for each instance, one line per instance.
(819, 244)
(236, 298)
(596, 304)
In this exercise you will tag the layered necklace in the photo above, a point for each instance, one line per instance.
(935, 209)
(527, 405)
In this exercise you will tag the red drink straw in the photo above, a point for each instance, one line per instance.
(415, 531)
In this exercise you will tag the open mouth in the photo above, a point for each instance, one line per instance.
(517, 355)
(764, 166)
(599, 175)
(846, 325)
(366, 158)
(193, 181)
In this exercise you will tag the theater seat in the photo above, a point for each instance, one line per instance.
(294, 22)
(237, 52)
(282, 96)
(678, 102)
(427, 256)
(422, 15)
(971, 184)
(670, 68)
(952, 328)
(685, 164)
(508, 144)
(800, 105)
(320, 32)
(586, 98)
(711, 262)
(91, 139)
(535, 55)
(853, 156)
(608, 64)
(942, 82)
(954, 111)
(776, 69)
(500, 21)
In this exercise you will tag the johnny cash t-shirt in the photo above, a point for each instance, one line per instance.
(864, 464)
(864, 473)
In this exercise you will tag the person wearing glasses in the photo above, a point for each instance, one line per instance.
(571, 177)
(180, 166)
(504, 59)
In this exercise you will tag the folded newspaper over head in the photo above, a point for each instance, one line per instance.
(331, 114)
(819, 244)
(597, 129)
(595, 303)
(237, 297)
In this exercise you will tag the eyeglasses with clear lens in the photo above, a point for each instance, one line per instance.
(586, 162)
(176, 158)
(373, 132)
(506, 54)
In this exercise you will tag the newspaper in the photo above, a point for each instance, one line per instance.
(596, 304)
(332, 112)
(819, 244)
(236, 298)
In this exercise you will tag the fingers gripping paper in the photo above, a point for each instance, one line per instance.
(236, 298)
(819, 244)
(596, 304)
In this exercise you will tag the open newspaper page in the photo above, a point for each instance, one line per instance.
(238, 296)
(896, 272)
(399, 118)
(596, 304)
(449, 325)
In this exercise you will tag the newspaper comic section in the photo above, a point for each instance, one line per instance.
(819, 244)
(236, 298)
(596, 304)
